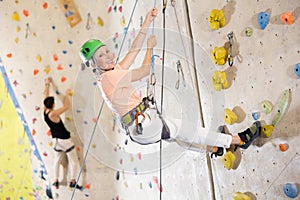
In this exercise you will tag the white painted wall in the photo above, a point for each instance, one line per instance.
(266, 70)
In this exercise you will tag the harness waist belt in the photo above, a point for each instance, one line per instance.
(129, 117)
(67, 151)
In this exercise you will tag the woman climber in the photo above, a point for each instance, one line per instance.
(115, 83)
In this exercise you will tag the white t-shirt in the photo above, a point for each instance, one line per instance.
(117, 90)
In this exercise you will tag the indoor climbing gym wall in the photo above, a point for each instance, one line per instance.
(219, 66)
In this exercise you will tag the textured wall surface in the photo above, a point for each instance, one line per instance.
(37, 41)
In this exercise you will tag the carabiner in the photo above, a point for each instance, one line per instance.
(230, 56)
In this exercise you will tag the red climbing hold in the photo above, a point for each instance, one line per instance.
(9, 55)
(63, 79)
(35, 72)
(25, 13)
(45, 5)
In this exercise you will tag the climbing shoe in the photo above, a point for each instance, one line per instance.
(220, 150)
(56, 184)
(249, 135)
(72, 185)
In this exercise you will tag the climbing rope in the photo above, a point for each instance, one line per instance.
(102, 104)
(126, 30)
(161, 103)
(86, 153)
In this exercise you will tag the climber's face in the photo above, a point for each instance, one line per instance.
(104, 58)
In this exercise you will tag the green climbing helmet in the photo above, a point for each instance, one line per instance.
(89, 48)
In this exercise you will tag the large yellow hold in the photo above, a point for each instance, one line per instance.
(228, 160)
(216, 19)
(241, 196)
(15, 16)
(219, 55)
(230, 117)
(267, 130)
(219, 80)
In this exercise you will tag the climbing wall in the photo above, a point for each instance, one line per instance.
(41, 39)
(266, 51)
(23, 172)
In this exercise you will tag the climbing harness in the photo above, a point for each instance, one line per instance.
(130, 117)
(138, 125)
(59, 148)
(230, 56)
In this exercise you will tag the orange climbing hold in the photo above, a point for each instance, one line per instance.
(55, 57)
(45, 5)
(59, 67)
(48, 133)
(9, 55)
(25, 13)
(283, 147)
(35, 72)
(63, 79)
(287, 18)
(87, 186)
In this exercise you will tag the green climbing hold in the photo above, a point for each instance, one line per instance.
(267, 106)
(282, 106)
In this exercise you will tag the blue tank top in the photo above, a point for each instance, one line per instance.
(58, 130)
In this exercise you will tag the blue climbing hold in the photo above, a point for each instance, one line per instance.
(297, 69)
(263, 19)
(290, 190)
(255, 115)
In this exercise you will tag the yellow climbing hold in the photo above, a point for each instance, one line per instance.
(230, 117)
(216, 19)
(219, 55)
(219, 80)
(228, 160)
(15, 16)
(47, 69)
(16, 40)
(122, 20)
(18, 29)
(38, 58)
(100, 21)
(71, 93)
(267, 130)
(241, 196)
